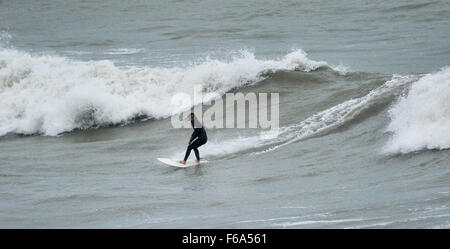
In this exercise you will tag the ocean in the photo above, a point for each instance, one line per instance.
(86, 96)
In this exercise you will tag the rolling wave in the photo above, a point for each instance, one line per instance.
(50, 95)
(338, 115)
(421, 119)
(318, 124)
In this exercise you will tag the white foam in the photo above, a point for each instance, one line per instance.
(421, 120)
(50, 94)
(5, 39)
(220, 148)
(74, 52)
(124, 51)
(342, 69)
(337, 115)
(316, 124)
(314, 222)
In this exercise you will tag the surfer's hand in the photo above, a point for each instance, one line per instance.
(189, 142)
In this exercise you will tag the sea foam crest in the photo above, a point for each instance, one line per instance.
(50, 95)
(421, 119)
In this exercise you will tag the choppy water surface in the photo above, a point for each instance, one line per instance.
(85, 96)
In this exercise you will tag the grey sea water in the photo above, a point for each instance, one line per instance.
(85, 96)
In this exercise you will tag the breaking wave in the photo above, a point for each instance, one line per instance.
(421, 119)
(50, 95)
(320, 123)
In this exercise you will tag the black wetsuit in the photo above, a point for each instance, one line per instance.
(198, 139)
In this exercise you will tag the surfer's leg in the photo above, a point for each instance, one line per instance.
(193, 146)
(197, 143)
(197, 154)
(188, 151)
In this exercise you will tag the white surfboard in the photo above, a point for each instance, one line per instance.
(174, 163)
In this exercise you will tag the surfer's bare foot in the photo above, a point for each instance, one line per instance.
(197, 161)
(183, 162)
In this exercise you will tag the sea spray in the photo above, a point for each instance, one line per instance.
(421, 119)
(50, 95)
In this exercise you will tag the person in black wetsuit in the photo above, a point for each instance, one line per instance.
(198, 139)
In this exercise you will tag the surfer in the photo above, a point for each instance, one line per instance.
(198, 139)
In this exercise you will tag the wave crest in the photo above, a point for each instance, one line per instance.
(421, 119)
(50, 95)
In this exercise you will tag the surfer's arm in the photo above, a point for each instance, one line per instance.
(194, 135)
